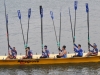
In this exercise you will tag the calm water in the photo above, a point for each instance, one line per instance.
(68, 69)
(49, 38)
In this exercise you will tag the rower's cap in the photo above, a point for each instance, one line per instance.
(94, 44)
(45, 46)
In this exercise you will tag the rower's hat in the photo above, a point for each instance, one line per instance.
(94, 44)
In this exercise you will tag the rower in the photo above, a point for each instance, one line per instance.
(78, 50)
(93, 52)
(46, 53)
(13, 53)
(29, 53)
(62, 53)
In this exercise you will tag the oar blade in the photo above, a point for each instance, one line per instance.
(19, 14)
(87, 8)
(29, 13)
(75, 5)
(51, 13)
(41, 11)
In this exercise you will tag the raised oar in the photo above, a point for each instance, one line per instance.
(19, 16)
(29, 15)
(41, 15)
(7, 32)
(51, 13)
(60, 31)
(6, 18)
(75, 7)
(71, 25)
(87, 10)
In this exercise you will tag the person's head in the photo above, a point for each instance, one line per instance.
(94, 45)
(13, 48)
(45, 47)
(79, 46)
(64, 47)
(28, 48)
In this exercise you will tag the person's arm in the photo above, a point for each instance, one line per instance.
(75, 50)
(10, 47)
(75, 45)
(16, 52)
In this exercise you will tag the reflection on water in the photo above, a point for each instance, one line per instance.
(64, 69)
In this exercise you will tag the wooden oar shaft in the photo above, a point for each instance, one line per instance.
(41, 15)
(60, 31)
(74, 26)
(71, 25)
(42, 33)
(6, 26)
(7, 36)
(27, 32)
(22, 32)
(88, 30)
(55, 32)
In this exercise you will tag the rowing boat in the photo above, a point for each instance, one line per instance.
(52, 60)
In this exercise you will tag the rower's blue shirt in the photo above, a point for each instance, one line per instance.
(94, 50)
(80, 51)
(46, 53)
(30, 53)
(13, 52)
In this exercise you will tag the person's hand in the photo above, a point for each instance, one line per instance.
(59, 49)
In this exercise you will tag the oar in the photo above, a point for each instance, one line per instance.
(87, 10)
(41, 15)
(7, 32)
(60, 31)
(51, 13)
(71, 25)
(6, 18)
(19, 16)
(75, 7)
(29, 15)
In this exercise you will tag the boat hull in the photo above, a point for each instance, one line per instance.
(50, 61)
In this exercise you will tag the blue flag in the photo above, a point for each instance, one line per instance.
(7, 18)
(87, 8)
(75, 5)
(29, 12)
(19, 14)
(51, 13)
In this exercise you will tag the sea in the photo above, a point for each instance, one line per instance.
(49, 39)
